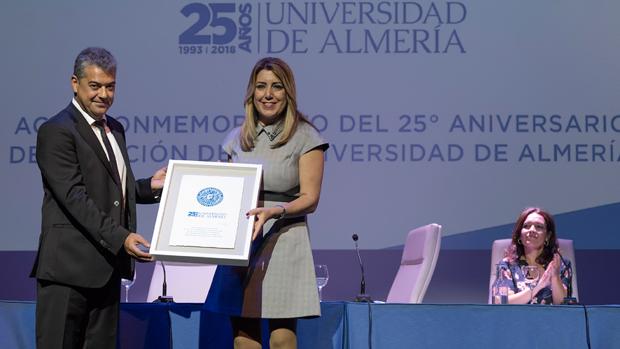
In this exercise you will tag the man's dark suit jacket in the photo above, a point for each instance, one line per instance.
(82, 235)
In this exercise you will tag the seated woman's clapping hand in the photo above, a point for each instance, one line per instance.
(554, 265)
(552, 271)
(544, 281)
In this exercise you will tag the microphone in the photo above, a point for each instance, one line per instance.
(164, 298)
(362, 296)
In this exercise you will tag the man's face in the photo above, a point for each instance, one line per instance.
(94, 91)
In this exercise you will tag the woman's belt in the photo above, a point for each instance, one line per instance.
(275, 196)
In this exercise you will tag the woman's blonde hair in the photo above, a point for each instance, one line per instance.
(292, 116)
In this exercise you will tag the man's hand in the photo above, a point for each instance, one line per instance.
(159, 178)
(131, 244)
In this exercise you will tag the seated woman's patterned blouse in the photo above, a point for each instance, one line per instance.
(511, 276)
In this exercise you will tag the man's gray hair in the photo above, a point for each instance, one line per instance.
(96, 56)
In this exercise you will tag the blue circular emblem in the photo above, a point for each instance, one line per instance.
(210, 196)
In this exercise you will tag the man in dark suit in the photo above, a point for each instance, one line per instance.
(89, 213)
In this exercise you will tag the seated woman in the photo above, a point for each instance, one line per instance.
(534, 243)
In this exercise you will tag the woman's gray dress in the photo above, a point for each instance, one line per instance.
(280, 280)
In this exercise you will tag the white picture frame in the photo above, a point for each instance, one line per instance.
(192, 189)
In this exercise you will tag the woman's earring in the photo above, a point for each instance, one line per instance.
(546, 242)
(519, 241)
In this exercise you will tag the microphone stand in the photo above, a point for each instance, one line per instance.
(362, 296)
(164, 298)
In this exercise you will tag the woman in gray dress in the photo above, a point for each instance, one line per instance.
(279, 283)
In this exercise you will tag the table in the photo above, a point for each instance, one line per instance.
(346, 325)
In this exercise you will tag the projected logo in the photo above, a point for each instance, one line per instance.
(210, 196)
(216, 28)
(323, 27)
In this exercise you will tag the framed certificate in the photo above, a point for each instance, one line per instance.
(201, 217)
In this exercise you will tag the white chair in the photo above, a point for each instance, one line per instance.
(499, 248)
(417, 265)
(186, 282)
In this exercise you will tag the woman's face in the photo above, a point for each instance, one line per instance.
(534, 231)
(269, 96)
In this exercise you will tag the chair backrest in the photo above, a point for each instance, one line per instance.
(417, 265)
(186, 282)
(499, 248)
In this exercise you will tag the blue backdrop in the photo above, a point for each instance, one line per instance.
(455, 112)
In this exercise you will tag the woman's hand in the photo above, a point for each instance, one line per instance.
(310, 179)
(558, 289)
(552, 272)
(261, 215)
(544, 281)
(554, 265)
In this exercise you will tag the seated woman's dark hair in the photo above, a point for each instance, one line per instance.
(516, 249)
